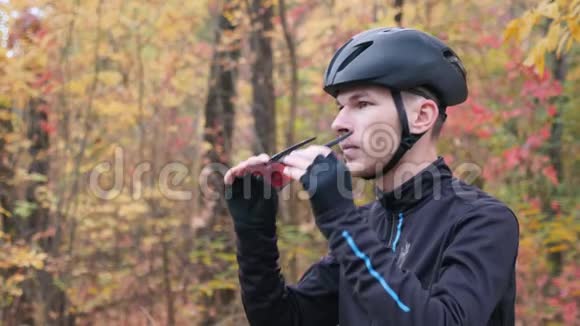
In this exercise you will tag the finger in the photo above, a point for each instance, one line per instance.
(240, 170)
(311, 152)
(229, 177)
(297, 161)
(316, 150)
(251, 164)
(264, 157)
(293, 172)
(232, 173)
(257, 160)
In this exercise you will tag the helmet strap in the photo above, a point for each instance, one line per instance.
(407, 138)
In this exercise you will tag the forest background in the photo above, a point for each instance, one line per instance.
(117, 118)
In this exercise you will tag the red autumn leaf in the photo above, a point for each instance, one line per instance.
(47, 127)
(536, 203)
(555, 205)
(542, 89)
(545, 133)
(490, 41)
(541, 281)
(483, 133)
(550, 173)
(570, 313)
(44, 108)
(512, 113)
(49, 232)
(477, 109)
(298, 12)
(533, 142)
(511, 157)
(552, 111)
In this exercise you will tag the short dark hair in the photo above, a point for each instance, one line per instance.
(438, 127)
(425, 93)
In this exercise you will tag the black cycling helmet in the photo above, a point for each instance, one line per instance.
(401, 59)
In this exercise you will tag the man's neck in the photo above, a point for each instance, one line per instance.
(413, 162)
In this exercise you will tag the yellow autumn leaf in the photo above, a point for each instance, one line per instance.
(549, 9)
(512, 31)
(172, 101)
(110, 78)
(563, 3)
(536, 57)
(78, 86)
(562, 44)
(558, 248)
(37, 263)
(553, 37)
(4, 100)
(574, 74)
(574, 27)
(122, 112)
(5, 115)
(16, 278)
(5, 212)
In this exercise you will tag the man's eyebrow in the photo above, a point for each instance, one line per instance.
(355, 96)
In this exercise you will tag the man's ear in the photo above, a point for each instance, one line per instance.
(424, 117)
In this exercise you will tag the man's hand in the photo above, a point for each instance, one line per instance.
(326, 179)
(252, 201)
(271, 172)
(253, 164)
(299, 160)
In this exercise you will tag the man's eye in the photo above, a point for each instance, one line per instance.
(363, 104)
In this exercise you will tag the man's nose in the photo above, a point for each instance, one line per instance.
(341, 123)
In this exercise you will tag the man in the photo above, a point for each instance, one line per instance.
(431, 250)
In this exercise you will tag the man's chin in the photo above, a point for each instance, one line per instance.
(358, 170)
(365, 170)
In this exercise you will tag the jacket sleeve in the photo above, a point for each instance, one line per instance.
(266, 297)
(475, 269)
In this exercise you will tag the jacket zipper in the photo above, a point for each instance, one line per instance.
(392, 227)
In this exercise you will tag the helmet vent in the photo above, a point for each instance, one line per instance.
(392, 30)
(454, 60)
(359, 49)
(334, 58)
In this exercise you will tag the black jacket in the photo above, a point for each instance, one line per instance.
(436, 251)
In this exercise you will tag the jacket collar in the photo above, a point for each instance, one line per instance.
(420, 187)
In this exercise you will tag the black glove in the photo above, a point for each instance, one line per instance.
(329, 185)
(253, 204)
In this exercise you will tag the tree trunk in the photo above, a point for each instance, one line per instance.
(170, 310)
(555, 154)
(399, 12)
(291, 205)
(6, 172)
(218, 131)
(263, 98)
(43, 290)
(293, 73)
(7, 196)
(219, 109)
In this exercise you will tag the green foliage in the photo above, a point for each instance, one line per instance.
(24, 208)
